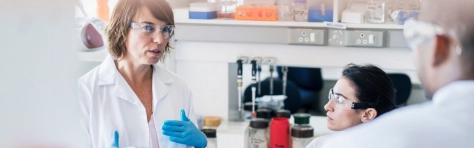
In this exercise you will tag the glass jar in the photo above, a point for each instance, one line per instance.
(258, 133)
(378, 11)
(285, 10)
(300, 11)
(211, 137)
(302, 135)
(227, 9)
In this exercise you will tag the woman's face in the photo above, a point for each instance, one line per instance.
(341, 116)
(145, 41)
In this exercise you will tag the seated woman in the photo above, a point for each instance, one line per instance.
(360, 95)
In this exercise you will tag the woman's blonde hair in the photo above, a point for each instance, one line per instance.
(118, 28)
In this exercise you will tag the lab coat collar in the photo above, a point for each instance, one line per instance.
(457, 90)
(109, 75)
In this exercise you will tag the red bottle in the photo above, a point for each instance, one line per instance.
(280, 133)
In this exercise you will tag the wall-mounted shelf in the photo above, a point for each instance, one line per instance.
(281, 24)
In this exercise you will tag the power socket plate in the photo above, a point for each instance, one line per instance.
(301, 36)
(336, 37)
(357, 38)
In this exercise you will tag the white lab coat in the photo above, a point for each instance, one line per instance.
(109, 104)
(445, 122)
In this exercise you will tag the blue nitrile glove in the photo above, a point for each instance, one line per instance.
(184, 132)
(115, 142)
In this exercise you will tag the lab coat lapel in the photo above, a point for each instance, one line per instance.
(109, 75)
(124, 91)
(160, 84)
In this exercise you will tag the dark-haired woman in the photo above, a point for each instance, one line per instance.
(363, 93)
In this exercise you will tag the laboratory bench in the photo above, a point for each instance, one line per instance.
(234, 134)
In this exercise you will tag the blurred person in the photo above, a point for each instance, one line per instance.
(128, 100)
(442, 42)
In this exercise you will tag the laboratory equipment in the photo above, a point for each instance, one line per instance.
(248, 110)
(285, 10)
(282, 113)
(321, 11)
(300, 11)
(211, 137)
(239, 83)
(202, 10)
(378, 10)
(301, 135)
(226, 9)
(400, 16)
(258, 133)
(272, 69)
(265, 113)
(280, 133)
(256, 13)
(211, 122)
(91, 31)
(353, 16)
(259, 81)
(301, 118)
(284, 71)
(254, 70)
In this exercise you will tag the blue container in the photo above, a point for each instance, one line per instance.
(203, 15)
(315, 14)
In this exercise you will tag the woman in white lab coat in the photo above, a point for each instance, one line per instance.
(360, 95)
(128, 100)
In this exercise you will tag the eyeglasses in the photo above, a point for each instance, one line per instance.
(342, 103)
(150, 30)
(417, 32)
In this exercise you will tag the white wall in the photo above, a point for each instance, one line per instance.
(38, 74)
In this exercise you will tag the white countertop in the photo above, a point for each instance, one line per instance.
(233, 134)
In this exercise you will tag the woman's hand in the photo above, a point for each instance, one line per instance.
(184, 132)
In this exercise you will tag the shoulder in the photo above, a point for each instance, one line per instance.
(171, 78)
(396, 128)
(317, 142)
(90, 78)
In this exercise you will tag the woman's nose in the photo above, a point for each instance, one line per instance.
(158, 38)
(329, 106)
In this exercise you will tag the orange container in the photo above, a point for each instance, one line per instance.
(103, 10)
(256, 13)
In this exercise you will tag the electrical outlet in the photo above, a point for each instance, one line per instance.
(307, 36)
(365, 38)
(336, 37)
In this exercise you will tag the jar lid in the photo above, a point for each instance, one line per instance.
(302, 131)
(248, 106)
(264, 113)
(283, 113)
(258, 123)
(212, 121)
(210, 133)
(301, 118)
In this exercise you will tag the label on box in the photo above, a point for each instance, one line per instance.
(335, 25)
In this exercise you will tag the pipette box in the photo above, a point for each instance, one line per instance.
(203, 10)
(320, 14)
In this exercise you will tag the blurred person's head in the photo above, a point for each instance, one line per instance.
(140, 30)
(442, 41)
(360, 95)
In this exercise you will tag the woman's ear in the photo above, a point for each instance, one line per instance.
(368, 114)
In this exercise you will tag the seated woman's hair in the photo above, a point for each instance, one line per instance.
(372, 86)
